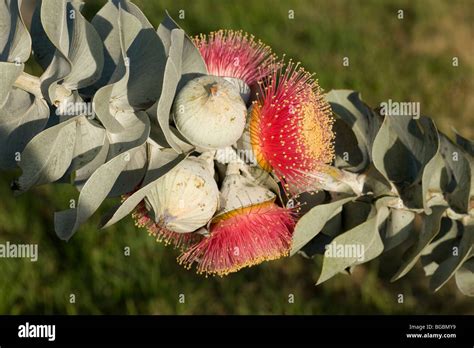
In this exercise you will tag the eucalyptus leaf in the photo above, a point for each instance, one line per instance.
(465, 278)
(466, 144)
(441, 246)
(459, 174)
(132, 175)
(448, 267)
(50, 80)
(90, 138)
(401, 150)
(85, 172)
(364, 123)
(136, 131)
(310, 224)
(21, 118)
(400, 226)
(146, 59)
(355, 213)
(172, 76)
(15, 41)
(161, 162)
(92, 195)
(365, 236)
(193, 64)
(43, 48)
(47, 156)
(53, 19)
(375, 248)
(106, 24)
(429, 229)
(101, 107)
(468, 147)
(9, 72)
(434, 180)
(85, 52)
(75, 39)
(77, 60)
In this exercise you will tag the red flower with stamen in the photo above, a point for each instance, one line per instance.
(229, 53)
(291, 129)
(243, 238)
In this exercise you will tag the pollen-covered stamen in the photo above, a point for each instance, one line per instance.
(291, 128)
(243, 238)
(229, 53)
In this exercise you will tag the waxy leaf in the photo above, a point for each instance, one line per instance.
(353, 154)
(172, 76)
(441, 246)
(465, 278)
(105, 23)
(364, 237)
(161, 162)
(310, 224)
(401, 150)
(434, 181)
(193, 64)
(21, 118)
(93, 193)
(400, 226)
(448, 267)
(78, 59)
(430, 228)
(90, 138)
(15, 41)
(9, 72)
(47, 156)
(459, 175)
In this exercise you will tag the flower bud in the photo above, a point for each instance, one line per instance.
(182, 201)
(209, 112)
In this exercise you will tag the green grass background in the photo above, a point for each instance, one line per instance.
(405, 60)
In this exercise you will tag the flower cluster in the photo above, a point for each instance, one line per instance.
(288, 127)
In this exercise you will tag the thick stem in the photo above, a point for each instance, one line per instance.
(29, 83)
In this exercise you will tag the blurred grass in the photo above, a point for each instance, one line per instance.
(405, 60)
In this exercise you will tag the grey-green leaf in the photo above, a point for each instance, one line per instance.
(310, 224)
(441, 247)
(465, 278)
(355, 119)
(408, 141)
(146, 60)
(448, 267)
(172, 76)
(92, 195)
(9, 72)
(400, 226)
(21, 118)
(161, 162)
(430, 228)
(459, 175)
(15, 41)
(192, 62)
(365, 236)
(47, 156)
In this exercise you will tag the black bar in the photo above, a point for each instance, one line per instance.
(262, 330)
